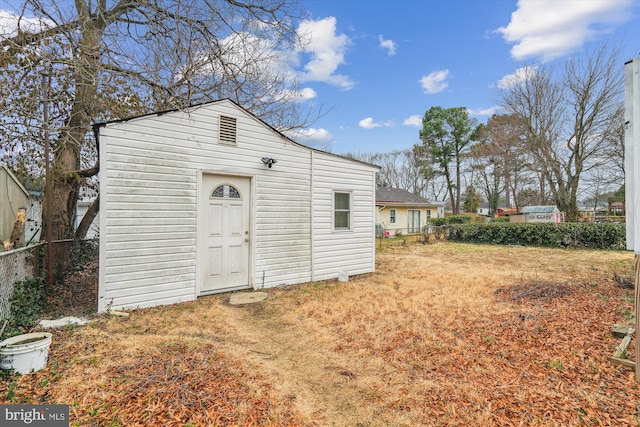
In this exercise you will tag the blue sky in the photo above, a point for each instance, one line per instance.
(376, 66)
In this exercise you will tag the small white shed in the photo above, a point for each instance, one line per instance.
(212, 199)
(549, 213)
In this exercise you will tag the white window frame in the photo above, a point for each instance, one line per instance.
(334, 210)
(392, 216)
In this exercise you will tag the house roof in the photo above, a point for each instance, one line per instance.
(539, 209)
(396, 196)
(97, 126)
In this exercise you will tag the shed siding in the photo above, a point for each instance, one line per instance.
(150, 177)
(152, 167)
(352, 251)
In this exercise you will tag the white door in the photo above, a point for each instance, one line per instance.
(224, 233)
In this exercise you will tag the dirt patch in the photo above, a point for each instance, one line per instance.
(77, 294)
(420, 342)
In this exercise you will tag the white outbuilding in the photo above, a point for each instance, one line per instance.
(211, 199)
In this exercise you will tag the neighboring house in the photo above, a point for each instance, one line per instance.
(499, 212)
(33, 229)
(13, 197)
(211, 199)
(617, 209)
(538, 214)
(85, 200)
(484, 210)
(34, 214)
(402, 212)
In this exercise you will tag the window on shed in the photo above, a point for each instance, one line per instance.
(225, 192)
(228, 127)
(341, 211)
(392, 214)
(428, 213)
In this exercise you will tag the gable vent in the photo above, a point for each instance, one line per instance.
(228, 129)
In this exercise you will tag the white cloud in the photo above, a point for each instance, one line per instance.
(414, 120)
(485, 111)
(311, 137)
(304, 94)
(548, 29)
(435, 82)
(389, 45)
(369, 123)
(253, 56)
(521, 74)
(9, 24)
(327, 50)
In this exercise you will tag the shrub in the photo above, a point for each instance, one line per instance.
(500, 219)
(28, 302)
(459, 219)
(438, 222)
(574, 234)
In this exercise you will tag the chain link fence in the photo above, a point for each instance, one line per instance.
(15, 266)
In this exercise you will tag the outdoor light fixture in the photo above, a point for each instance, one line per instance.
(268, 161)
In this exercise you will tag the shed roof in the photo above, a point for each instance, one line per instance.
(539, 209)
(396, 196)
(14, 178)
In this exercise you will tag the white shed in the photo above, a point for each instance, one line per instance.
(212, 199)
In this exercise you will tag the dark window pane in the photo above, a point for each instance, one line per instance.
(342, 219)
(342, 200)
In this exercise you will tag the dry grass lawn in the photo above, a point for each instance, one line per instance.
(441, 335)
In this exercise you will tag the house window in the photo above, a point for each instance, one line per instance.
(428, 213)
(228, 127)
(341, 211)
(392, 214)
(225, 192)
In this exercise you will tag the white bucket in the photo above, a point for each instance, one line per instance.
(25, 353)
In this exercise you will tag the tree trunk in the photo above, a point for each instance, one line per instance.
(66, 180)
(88, 218)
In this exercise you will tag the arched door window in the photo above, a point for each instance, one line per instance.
(225, 192)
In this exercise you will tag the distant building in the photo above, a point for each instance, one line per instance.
(402, 212)
(538, 214)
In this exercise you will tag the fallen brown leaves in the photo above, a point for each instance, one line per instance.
(174, 384)
(444, 334)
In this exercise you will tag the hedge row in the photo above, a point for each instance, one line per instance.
(573, 234)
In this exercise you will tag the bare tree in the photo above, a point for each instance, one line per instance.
(568, 119)
(110, 59)
(499, 158)
(400, 169)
